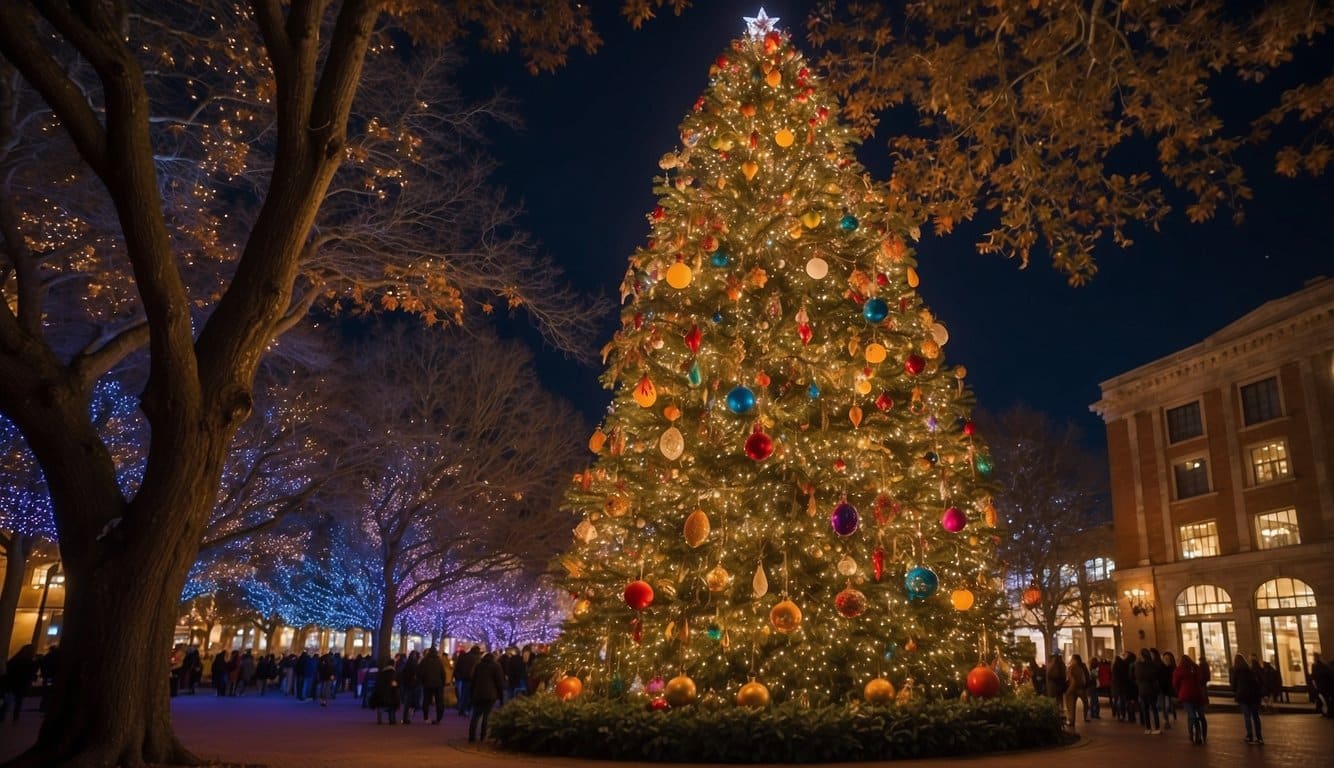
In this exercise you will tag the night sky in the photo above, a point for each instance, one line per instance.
(584, 167)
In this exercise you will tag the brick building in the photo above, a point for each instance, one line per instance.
(1222, 470)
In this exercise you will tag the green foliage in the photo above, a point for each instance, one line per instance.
(787, 733)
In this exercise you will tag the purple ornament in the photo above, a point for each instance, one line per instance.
(953, 520)
(931, 423)
(844, 519)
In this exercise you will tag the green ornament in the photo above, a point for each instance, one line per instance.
(983, 464)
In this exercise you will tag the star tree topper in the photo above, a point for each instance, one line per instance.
(760, 25)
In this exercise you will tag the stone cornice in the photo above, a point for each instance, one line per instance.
(1279, 331)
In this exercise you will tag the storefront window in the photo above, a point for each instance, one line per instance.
(1207, 632)
(1288, 634)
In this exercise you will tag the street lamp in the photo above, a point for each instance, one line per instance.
(1140, 602)
(53, 577)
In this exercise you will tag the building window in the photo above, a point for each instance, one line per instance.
(1192, 478)
(1269, 462)
(1277, 529)
(1283, 593)
(1259, 401)
(1198, 539)
(1099, 568)
(1183, 422)
(1203, 600)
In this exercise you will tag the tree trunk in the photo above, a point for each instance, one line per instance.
(16, 564)
(384, 634)
(110, 703)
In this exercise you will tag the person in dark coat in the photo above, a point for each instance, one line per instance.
(19, 674)
(219, 672)
(1145, 672)
(488, 684)
(1248, 689)
(1322, 685)
(410, 687)
(192, 668)
(385, 698)
(516, 674)
(463, 670)
(1056, 682)
(431, 672)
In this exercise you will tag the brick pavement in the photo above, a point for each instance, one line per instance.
(282, 733)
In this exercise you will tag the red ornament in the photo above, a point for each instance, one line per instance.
(840, 465)
(881, 279)
(637, 631)
(968, 428)
(804, 331)
(803, 72)
(658, 704)
(638, 595)
(823, 113)
(772, 41)
(721, 61)
(878, 562)
(914, 365)
(639, 320)
(983, 682)
(884, 402)
(658, 213)
(850, 602)
(693, 338)
(699, 103)
(759, 446)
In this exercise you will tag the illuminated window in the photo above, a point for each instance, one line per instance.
(1277, 529)
(1269, 462)
(1192, 477)
(1183, 422)
(1099, 568)
(1198, 539)
(1277, 594)
(1203, 600)
(1259, 401)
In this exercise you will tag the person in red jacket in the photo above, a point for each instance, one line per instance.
(1188, 681)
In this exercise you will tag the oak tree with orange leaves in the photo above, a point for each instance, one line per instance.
(1039, 111)
(166, 167)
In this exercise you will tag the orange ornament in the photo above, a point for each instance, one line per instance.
(569, 687)
(671, 412)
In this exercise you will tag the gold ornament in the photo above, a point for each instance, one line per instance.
(597, 440)
(876, 353)
(774, 78)
(989, 513)
(760, 584)
(750, 168)
(961, 599)
(795, 231)
(717, 579)
(679, 275)
(672, 444)
(847, 566)
(913, 279)
(878, 691)
(930, 349)
(753, 694)
(785, 617)
(584, 532)
(568, 688)
(680, 691)
(863, 386)
(697, 528)
(784, 138)
(671, 412)
(855, 416)
(811, 219)
(582, 607)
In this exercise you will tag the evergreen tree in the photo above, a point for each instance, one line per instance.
(787, 488)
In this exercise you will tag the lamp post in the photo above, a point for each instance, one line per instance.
(53, 576)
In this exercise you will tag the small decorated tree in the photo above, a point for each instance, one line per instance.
(787, 488)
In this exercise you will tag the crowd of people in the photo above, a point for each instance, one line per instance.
(399, 689)
(1145, 689)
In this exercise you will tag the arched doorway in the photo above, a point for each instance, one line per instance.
(1289, 632)
(1207, 630)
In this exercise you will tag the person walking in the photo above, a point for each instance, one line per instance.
(488, 684)
(1146, 682)
(1167, 667)
(1248, 689)
(385, 696)
(1188, 684)
(219, 672)
(1056, 680)
(1322, 685)
(409, 683)
(17, 679)
(326, 677)
(431, 672)
(1077, 685)
(463, 670)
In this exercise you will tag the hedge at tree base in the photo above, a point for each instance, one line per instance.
(786, 733)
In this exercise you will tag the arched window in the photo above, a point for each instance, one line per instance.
(1208, 633)
(1289, 632)
(1284, 593)
(1203, 600)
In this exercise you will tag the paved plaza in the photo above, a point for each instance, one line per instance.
(280, 732)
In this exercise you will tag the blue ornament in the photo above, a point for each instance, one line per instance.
(693, 375)
(932, 457)
(813, 391)
(889, 653)
(844, 519)
(740, 400)
(720, 259)
(920, 583)
(848, 223)
(714, 632)
(875, 310)
(717, 317)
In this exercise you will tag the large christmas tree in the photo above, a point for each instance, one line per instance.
(787, 488)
